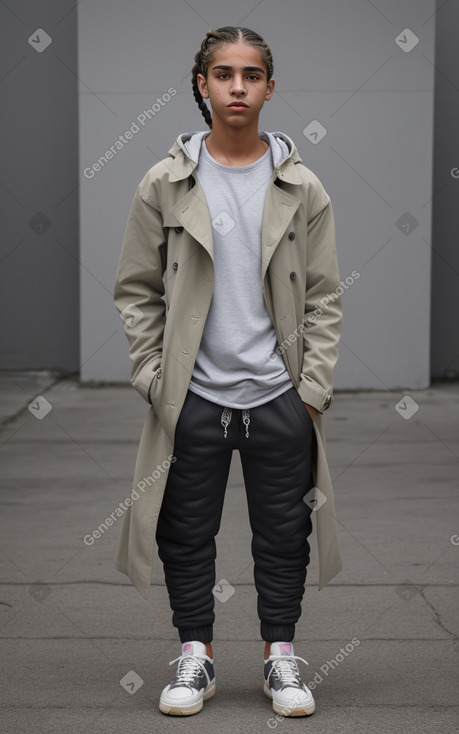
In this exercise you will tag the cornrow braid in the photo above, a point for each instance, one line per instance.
(213, 40)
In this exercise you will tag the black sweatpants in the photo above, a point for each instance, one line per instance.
(275, 445)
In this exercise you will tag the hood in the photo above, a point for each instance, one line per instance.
(282, 147)
(184, 155)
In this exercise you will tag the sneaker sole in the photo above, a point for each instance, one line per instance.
(193, 708)
(281, 709)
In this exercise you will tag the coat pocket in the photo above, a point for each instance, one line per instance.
(155, 385)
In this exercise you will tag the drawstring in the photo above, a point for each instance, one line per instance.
(246, 419)
(226, 419)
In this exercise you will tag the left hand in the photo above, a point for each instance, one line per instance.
(313, 412)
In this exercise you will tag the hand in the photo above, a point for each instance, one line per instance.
(313, 412)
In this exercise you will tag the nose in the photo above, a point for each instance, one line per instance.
(238, 84)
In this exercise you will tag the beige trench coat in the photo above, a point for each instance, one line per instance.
(163, 292)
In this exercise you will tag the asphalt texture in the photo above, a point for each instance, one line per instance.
(82, 651)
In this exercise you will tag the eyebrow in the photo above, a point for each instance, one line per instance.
(246, 68)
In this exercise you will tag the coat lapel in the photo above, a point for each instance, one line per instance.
(278, 212)
(193, 214)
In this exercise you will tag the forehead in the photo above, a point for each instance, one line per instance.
(237, 55)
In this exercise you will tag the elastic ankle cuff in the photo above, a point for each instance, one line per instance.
(203, 634)
(276, 632)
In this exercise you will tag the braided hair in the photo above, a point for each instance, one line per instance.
(213, 40)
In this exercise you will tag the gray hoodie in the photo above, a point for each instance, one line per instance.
(281, 145)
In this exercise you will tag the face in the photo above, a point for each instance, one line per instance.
(226, 86)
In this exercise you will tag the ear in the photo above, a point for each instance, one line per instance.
(270, 89)
(202, 85)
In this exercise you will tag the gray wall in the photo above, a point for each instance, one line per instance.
(336, 62)
(39, 275)
(444, 240)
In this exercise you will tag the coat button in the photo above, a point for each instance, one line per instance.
(174, 266)
(291, 235)
(179, 229)
(158, 373)
(328, 402)
(292, 275)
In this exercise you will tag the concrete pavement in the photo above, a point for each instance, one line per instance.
(380, 639)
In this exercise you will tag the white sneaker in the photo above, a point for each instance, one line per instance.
(282, 682)
(194, 681)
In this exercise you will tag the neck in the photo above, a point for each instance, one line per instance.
(234, 143)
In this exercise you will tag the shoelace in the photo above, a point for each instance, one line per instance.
(188, 668)
(286, 669)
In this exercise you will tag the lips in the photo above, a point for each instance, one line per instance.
(237, 104)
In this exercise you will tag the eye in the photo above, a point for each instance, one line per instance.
(225, 73)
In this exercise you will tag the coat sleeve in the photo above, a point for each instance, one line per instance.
(139, 290)
(322, 313)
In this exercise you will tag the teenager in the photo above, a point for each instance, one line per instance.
(234, 323)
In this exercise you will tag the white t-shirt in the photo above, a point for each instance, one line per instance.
(232, 367)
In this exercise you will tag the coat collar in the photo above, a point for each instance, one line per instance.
(182, 165)
(192, 211)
